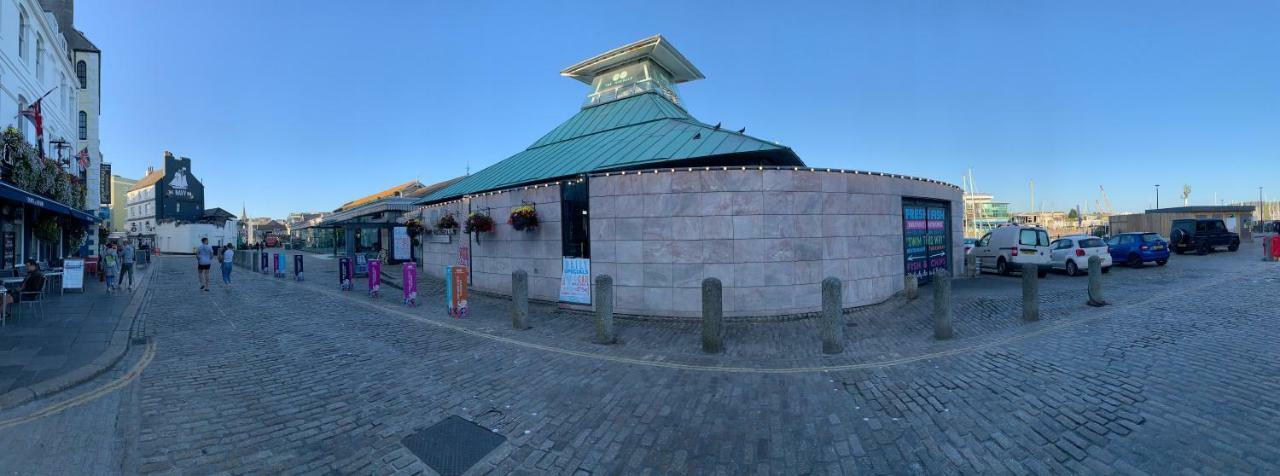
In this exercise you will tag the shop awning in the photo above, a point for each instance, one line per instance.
(16, 194)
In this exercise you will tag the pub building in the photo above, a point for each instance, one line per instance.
(635, 187)
(35, 226)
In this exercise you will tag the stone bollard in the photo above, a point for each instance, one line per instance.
(1030, 292)
(1095, 282)
(910, 286)
(832, 314)
(942, 305)
(971, 266)
(520, 300)
(604, 310)
(712, 314)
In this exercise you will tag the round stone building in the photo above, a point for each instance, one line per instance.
(634, 187)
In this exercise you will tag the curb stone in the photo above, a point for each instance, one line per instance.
(120, 343)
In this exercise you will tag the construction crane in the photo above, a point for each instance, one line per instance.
(1108, 210)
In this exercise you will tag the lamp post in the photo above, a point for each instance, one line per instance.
(1262, 210)
(1157, 196)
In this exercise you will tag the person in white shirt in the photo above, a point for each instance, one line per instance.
(228, 257)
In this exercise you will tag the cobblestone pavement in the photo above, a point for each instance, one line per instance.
(281, 377)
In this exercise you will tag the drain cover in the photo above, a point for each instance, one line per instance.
(452, 446)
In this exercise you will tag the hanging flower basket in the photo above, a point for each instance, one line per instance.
(478, 223)
(524, 218)
(447, 223)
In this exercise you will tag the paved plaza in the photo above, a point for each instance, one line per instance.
(280, 377)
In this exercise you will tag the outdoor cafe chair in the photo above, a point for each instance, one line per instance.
(34, 300)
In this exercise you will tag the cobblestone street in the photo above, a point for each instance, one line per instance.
(281, 377)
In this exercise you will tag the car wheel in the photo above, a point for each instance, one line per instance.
(1135, 261)
(1179, 251)
(1072, 269)
(1203, 249)
(1234, 246)
(1106, 270)
(1002, 268)
(1161, 262)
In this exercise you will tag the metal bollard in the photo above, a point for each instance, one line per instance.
(942, 305)
(832, 312)
(1030, 292)
(604, 310)
(910, 286)
(1095, 282)
(520, 300)
(712, 315)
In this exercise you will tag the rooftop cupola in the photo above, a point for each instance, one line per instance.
(651, 64)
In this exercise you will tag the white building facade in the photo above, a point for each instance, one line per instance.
(35, 60)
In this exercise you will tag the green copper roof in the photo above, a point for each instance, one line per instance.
(641, 131)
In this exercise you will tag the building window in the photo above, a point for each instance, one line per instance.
(84, 126)
(39, 57)
(82, 73)
(22, 33)
(574, 232)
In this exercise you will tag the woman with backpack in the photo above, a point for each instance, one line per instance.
(111, 266)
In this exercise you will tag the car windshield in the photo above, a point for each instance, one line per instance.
(1151, 238)
(1033, 237)
(1091, 243)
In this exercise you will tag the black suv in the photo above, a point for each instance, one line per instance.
(1202, 235)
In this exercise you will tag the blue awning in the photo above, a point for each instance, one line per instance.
(16, 194)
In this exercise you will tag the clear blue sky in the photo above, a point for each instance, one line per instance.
(302, 105)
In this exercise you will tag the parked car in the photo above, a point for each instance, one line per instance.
(1008, 248)
(1202, 235)
(1072, 253)
(1135, 249)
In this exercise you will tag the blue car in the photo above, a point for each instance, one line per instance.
(1134, 249)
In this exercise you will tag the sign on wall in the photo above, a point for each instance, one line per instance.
(924, 237)
(400, 243)
(575, 281)
(104, 182)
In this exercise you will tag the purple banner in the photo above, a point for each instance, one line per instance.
(410, 284)
(375, 276)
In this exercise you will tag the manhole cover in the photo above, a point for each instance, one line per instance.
(452, 446)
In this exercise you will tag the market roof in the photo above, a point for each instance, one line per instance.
(641, 130)
(396, 191)
(654, 47)
(151, 179)
(392, 204)
(1204, 209)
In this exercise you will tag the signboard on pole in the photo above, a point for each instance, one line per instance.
(401, 245)
(266, 257)
(344, 273)
(297, 267)
(375, 277)
(455, 290)
(73, 274)
(410, 284)
(575, 281)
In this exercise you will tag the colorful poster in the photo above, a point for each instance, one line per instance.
(410, 284)
(375, 277)
(455, 290)
(575, 281)
(914, 250)
(464, 256)
(400, 243)
(277, 264)
(266, 257)
(344, 273)
(297, 267)
(362, 264)
(924, 237)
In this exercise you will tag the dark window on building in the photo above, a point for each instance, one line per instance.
(82, 72)
(84, 126)
(574, 230)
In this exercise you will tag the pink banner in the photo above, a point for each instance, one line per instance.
(410, 284)
(375, 276)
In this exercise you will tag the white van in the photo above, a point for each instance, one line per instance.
(1007, 248)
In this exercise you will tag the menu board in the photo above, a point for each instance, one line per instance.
(924, 238)
(10, 250)
(73, 274)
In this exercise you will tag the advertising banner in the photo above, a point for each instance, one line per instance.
(266, 257)
(924, 238)
(375, 277)
(575, 281)
(400, 243)
(344, 273)
(277, 265)
(464, 255)
(297, 267)
(73, 274)
(362, 265)
(410, 284)
(455, 290)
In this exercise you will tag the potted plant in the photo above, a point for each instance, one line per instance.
(524, 217)
(415, 229)
(447, 223)
(478, 222)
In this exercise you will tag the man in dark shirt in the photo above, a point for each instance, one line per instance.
(33, 283)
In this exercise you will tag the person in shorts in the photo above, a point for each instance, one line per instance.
(204, 260)
(126, 264)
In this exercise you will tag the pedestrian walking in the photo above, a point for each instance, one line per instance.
(126, 264)
(111, 266)
(204, 260)
(228, 259)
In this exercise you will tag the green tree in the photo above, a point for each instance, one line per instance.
(1073, 214)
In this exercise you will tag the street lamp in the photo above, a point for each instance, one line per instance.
(1262, 209)
(1157, 196)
